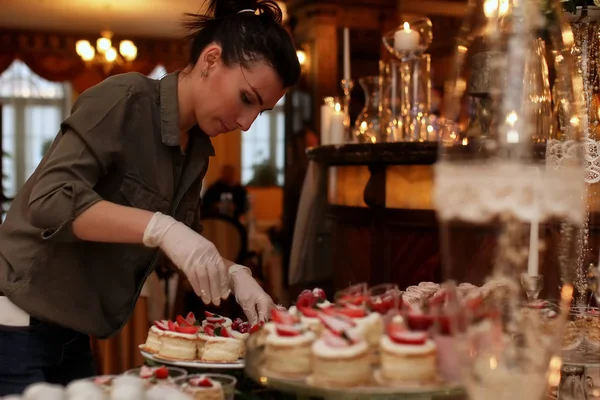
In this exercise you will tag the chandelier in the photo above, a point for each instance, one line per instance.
(105, 53)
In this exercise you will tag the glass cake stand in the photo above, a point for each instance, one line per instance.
(582, 337)
(303, 389)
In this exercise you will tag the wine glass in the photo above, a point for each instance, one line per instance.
(532, 285)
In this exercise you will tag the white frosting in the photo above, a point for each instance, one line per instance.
(227, 323)
(156, 330)
(44, 391)
(84, 388)
(238, 335)
(303, 339)
(406, 349)
(181, 335)
(321, 349)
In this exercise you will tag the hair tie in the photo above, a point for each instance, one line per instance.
(247, 10)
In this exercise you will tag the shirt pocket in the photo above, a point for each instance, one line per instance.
(143, 196)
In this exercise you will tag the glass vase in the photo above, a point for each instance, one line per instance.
(508, 191)
(367, 128)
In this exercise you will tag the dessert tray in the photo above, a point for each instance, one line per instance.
(197, 364)
(304, 386)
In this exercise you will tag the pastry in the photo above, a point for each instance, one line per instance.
(407, 357)
(288, 346)
(179, 342)
(340, 359)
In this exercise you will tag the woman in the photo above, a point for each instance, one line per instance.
(122, 181)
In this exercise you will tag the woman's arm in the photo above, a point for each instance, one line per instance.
(110, 222)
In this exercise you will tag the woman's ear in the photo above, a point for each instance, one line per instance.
(212, 56)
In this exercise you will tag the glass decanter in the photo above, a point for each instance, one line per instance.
(508, 191)
(367, 128)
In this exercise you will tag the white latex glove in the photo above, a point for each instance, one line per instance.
(194, 255)
(255, 302)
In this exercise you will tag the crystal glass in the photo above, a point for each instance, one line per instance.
(508, 190)
(383, 298)
(227, 383)
(532, 285)
(367, 128)
(355, 295)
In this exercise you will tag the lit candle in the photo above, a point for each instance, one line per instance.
(326, 111)
(346, 54)
(336, 125)
(406, 39)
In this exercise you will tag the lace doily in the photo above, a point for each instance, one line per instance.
(477, 193)
(566, 153)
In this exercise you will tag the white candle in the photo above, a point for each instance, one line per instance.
(336, 126)
(346, 54)
(406, 39)
(532, 262)
(325, 123)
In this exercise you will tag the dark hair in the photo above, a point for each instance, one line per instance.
(246, 36)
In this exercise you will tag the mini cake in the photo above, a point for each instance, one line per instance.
(407, 357)
(308, 305)
(240, 330)
(179, 342)
(217, 344)
(288, 347)
(340, 359)
(216, 319)
(155, 334)
(158, 375)
(203, 388)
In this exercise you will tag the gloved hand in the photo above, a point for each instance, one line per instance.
(194, 255)
(255, 302)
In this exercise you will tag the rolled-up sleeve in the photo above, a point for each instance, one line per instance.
(88, 143)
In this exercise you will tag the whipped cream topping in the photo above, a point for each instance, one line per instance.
(320, 348)
(406, 349)
(180, 335)
(156, 330)
(302, 339)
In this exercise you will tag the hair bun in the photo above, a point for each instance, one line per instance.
(266, 8)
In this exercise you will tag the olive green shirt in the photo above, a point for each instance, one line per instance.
(121, 144)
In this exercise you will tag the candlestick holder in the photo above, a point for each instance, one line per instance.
(408, 96)
(347, 85)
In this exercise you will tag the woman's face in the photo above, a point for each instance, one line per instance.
(233, 96)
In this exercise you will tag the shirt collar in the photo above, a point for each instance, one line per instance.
(169, 115)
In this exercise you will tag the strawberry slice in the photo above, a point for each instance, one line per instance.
(282, 317)
(191, 318)
(287, 330)
(182, 321)
(209, 330)
(161, 372)
(222, 331)
(163, 325)
(190, 330)
(336, 323)
(334, 340)
(146, 372)
(215, 320)
(402, 336)
(200, 382)
(172, 326)
(208, 314)
(254, 328)
(419, 322)
(308, 311)
(351, 312)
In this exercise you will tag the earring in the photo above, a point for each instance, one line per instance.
(204, 73)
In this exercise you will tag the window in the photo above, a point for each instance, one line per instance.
(32, 110)
(263, 147)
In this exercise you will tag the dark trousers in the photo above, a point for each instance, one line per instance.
(42, 352)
